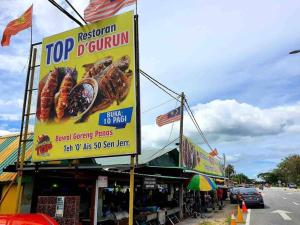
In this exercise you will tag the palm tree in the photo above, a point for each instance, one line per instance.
(229, 170)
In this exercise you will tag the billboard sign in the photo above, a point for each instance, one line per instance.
(195, 158)
(87, 92)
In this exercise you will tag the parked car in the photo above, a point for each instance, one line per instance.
(233, 192)
(251, 197)
(27, 219)
(292, 185)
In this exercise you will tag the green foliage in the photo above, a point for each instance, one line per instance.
(229, 170)
(240, 178)
(287, 171)
(269, 177)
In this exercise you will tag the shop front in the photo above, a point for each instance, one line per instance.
(82, 192)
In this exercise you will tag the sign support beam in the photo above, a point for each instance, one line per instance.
(131, 192)
(24, 138)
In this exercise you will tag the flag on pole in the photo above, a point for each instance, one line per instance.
(169, 117)
(17, 25)
(101, 9)
(214, 153)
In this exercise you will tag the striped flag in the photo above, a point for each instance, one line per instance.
(169, 117)
(101, 9)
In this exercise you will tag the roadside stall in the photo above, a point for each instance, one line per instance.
(201, 188)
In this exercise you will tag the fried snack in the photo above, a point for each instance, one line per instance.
(95, 70)
(47, 95)
(114, 84)
(62, 102)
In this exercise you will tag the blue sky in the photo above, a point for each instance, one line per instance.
(229, 57)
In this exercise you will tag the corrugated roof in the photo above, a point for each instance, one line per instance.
(145, 157)
(7, 176)
(9, 153)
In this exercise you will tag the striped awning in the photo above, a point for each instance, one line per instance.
(7, 176)
(9, 153)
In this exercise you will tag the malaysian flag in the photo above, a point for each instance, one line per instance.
(101, 9)
(169, 117)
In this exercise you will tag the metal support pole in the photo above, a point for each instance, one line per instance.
(24, 106)
(181, 130)
(180, 155)
(224, 163)
(131, 192)
(96, 202)
(28, 106)
(181, 201)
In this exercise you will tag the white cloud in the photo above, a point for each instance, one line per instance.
(233, 158)
(13, 63)
(11, 103)
(10, 117)
(227, 121)
(230, 50)
(5, 132)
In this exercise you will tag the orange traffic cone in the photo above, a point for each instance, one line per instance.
(244, 208)
(232, 221)
(239, 216)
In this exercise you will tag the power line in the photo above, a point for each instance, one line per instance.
(160, 88)
(199, 130)
(160, 85)
(157, 106)
(164, 147)
(196, 124)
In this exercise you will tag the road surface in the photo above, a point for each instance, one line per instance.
(282, 207)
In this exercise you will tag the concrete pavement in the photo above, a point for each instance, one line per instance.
(282, 207)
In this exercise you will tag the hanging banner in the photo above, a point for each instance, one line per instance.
(195, 158)
(87, 92)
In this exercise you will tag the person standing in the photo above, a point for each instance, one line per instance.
(220, 197)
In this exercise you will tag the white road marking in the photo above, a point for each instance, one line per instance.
(289, 193)
(296, 203)
(284, 197)
(248, 217)
(283, 214)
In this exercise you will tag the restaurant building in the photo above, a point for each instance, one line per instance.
(75, 191)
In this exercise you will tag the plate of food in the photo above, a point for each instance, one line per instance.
(81, 98)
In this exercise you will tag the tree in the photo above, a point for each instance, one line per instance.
(229, 170)
(240, 178)
(289, 169)
(269, 177)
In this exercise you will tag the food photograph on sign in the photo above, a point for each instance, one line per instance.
(195, 158)
(86, 105)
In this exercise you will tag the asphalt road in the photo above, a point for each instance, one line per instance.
(282, 207)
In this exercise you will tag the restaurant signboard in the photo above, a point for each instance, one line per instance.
(87, 98)
(195, 158)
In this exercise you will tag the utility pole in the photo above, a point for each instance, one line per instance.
(180, 155)
(224, 165)
(181, 129)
